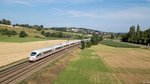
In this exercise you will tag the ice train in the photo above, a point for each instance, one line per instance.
(41, 53)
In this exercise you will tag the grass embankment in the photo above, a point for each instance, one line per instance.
(117, 44)
(33, 34)
(87, 68)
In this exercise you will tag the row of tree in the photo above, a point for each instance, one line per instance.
(61, 35)
(38, 27)
(85, 44)
(95, 39)
(4, 21)
(56, 34)
(135, 35)
(8, 22)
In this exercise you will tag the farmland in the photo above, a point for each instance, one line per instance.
(87, 68)
(11, 52)
(108, 65)
(101, 64)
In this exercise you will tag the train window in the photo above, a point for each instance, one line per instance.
(47, 52)
(59, 47)
(33, 53)
(66, 45)
(39, 54)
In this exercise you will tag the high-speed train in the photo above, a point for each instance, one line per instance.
(41, 53)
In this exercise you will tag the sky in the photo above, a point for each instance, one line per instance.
(102, 15)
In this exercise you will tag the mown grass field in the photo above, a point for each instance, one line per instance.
(87, 68)
(117, 44)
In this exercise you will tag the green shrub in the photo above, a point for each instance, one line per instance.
(23, 34)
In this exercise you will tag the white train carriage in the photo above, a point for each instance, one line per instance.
(40, 53)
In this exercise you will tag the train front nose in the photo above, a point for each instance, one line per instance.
(31, 58)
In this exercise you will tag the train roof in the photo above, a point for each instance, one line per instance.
(54, 46)
(43, 49)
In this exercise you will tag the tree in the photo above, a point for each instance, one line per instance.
(0, 22)
(4, 21)
(43, 33)
(7, 22)
(100, 38)
(125, 38)
(88, 44)
(41, 26)
(112, 36)
(6, 32)
(138, 34)
(95, 39)
(60, 35)
(82, 44)
(131, 34)
(38, 29)
(23, 34)
(47, 34)
(13, 32)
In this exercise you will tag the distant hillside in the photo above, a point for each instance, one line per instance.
(39, 31)
(76, 30)
(29, 31)
(35, 34)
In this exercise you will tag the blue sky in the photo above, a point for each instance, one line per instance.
(103, 15)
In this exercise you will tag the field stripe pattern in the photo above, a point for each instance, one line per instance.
(88, 68)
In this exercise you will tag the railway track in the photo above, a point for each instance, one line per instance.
(15, 73)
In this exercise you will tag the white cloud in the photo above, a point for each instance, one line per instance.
(29, 2)
(22, 2)
(82, 14)
(148, 0)
(126, 14)
(132, 13)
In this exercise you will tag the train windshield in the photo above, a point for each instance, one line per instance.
(33, 53)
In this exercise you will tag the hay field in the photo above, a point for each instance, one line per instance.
(11, 52)
(129, 65)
